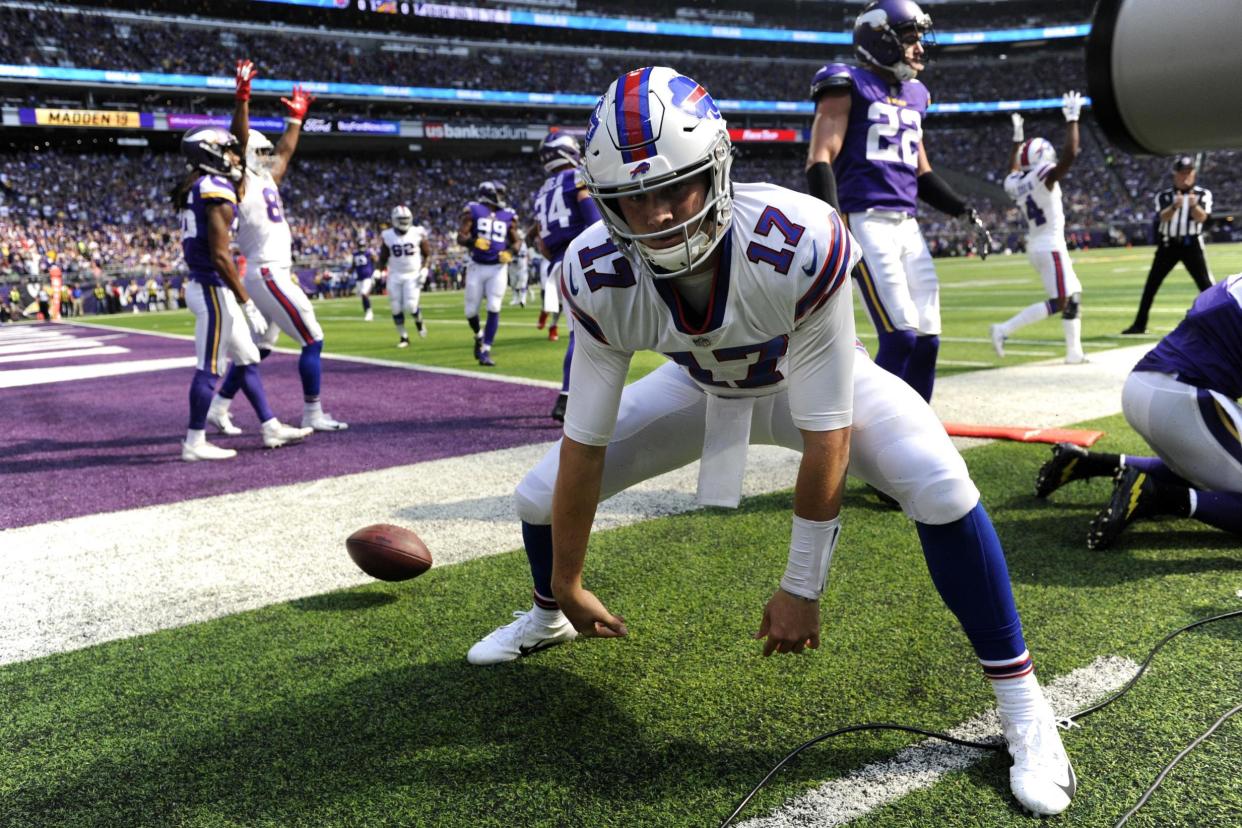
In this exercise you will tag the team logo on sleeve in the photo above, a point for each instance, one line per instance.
(691, 98)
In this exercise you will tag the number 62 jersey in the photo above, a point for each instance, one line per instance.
(777, 317)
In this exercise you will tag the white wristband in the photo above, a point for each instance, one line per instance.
(810, 553)
(297, 121)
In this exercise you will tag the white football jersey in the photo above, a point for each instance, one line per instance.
(263, 233)
(1045, 216)
(405, 251)
(778, 307)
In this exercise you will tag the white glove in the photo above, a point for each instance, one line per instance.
(254, 318)
(1018, 136)
(422, 276)
(1071, 105)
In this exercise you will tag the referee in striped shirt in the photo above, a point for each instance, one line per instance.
(1184, 209)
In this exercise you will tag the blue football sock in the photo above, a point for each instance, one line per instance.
(538, 541)
(232, 382)
(201, 389)
(967, 565)
(569, 358)
(473, 322)
(921, 368)
(894, 351)
(252, 387)
(1156, 469)
(366, 302)
(1220, 509)
(311, 369)
(493, 324)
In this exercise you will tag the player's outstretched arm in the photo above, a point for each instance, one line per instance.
(1018, 137)
(1071, 106)
(296, 109)
(240, 126)
(574, 500)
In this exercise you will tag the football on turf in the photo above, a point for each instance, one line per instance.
(388, 552)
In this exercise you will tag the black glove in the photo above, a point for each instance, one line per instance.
(983, 239)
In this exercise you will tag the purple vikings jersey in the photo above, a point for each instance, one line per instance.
(1205, 349)
(208, 190)
(489, 223)
(363, 264)
(560, 214)
(878, 163)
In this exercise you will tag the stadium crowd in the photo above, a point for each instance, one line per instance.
(31, 38)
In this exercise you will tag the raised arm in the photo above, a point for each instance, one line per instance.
(240, 126)
(1018, 138)
(1071, 106)
(296, 107)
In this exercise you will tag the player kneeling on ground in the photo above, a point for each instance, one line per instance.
(746, 288)
(1181, 397)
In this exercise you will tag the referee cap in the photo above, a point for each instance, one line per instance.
(1183, 162)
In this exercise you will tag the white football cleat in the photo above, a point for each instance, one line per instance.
(1076, 359)
(222, 422)
(524, 636)
(404, 342)
(1041, 778)
(204, 451)
(998, 340)
(277, 434)
(368, 317)
(323, 422)
(423, 331)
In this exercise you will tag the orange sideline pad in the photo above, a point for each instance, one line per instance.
(1077, 436)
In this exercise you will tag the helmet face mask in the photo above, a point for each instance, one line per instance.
(882, 31)
(502, 193)
(259, 152)
(655, 127)
(559, 149)
(1035, 153)
(402, 218)
(213, 150)
(487, 194)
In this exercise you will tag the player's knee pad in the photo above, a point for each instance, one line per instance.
(1070, 311)
(533, 499)
(943, 500)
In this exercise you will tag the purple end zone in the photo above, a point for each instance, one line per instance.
(100, 445)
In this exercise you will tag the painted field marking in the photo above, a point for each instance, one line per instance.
(922, 765)
(102, 350)
(68, 373)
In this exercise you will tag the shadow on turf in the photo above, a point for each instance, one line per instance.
(343, 601)
(509, 741)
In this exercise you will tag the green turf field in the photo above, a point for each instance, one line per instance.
(357, 708)
(975, 294)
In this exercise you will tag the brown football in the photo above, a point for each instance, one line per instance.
(387, 552)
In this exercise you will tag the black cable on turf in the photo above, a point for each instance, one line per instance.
(1147, 794)
(1001, 744)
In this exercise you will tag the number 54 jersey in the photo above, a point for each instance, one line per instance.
(777, 314)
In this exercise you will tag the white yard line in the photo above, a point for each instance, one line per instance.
(922, 765)
(102, 350)
(21, 377)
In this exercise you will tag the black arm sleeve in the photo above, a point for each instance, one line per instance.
(822, 184)
(935, 191)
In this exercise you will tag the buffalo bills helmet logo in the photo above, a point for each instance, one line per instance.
(691, 98)
(639, 169)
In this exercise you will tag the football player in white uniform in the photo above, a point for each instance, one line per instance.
(519, 276)
(265, 240)
(745, 287)
(1033, 182)
(404, 249)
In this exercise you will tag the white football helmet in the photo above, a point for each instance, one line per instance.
(1036, 153)
(402, 218)
(259, 151)
(655, 126)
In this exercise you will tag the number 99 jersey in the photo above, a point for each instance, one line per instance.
(489, 224)
(877, 166)
(262, 232)
(1041, 207)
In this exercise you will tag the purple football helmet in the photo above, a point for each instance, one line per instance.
(879, 29)
(487, 194)
(557, 149)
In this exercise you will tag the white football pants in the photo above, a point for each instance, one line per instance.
(220, 330)
(404, 293)
(898, 283)
(1056, 271)
(485, 280)
(285, 305)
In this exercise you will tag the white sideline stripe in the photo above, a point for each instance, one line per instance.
(64, 343)
(383, 363)
(67, 373)
(102, 350)
(96, 578)
(923, 764)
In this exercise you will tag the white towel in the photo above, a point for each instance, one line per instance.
(725, 441)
